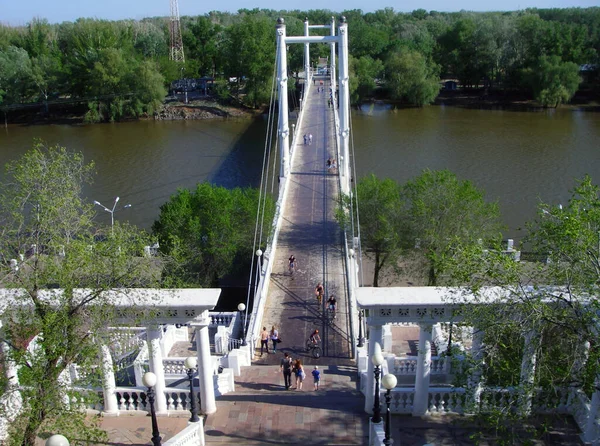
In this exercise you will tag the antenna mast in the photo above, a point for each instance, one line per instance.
(175, 28)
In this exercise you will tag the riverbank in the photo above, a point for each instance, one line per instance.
(201, 109)
(73, 114)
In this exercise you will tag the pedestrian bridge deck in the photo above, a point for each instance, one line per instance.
(311, 233)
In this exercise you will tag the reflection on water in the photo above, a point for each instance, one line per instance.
(145, 162)
(518, 158)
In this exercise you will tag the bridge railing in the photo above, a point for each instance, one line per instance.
(260, 299)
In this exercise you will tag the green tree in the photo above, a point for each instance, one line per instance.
(15, 74)
(209, 232)
(442, 210)
(45, 219)
(382, 228)
(554, 82)
(556, 300)
(410, 78)
(250, 54)
(363, 73)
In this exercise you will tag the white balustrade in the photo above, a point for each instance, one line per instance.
(446, 399)
(192, 435)
(125, 341)
(405, 366)
(174, 366)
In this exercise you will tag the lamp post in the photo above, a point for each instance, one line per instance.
(389, 381)
(191, 364)
(149, 380)
(360, 329)
(377, 359)
(241, 307)
(57, 440)
(111, 211)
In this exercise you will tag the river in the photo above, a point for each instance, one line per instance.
(518, 158)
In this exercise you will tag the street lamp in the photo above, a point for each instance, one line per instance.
(389, 381)
(111, 211)
(57, 440)
(377, 359)
(241, 307)
(191, 364)
(149, 380)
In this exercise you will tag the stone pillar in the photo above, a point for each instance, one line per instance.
(528, 371)
(476, 378)
(282, 80)
(205, 371)
(590, 434)
(111, 405)
(421, 401)
(375, 335)
(155, 361)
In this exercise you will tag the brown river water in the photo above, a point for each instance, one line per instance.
(517, 157)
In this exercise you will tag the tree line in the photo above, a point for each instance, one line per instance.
(122, 69)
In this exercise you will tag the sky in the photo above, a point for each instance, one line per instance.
(19, 12)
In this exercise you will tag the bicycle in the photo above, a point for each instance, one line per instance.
(330, 313)
(312, 347)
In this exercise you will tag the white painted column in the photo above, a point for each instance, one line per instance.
(344, 107)
(282, 80)
(476, 378)
(375, 335)
(528, 371)
(421, 401)
(590, 434)
(109, 385)
(332, 62)
(155, 360)
(306, 57)
(205, 371)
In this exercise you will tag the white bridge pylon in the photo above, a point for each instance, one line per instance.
(344, 95)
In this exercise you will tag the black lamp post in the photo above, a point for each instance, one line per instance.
(149, 381)
(190, 364)
(389, 381)
(241, 307)
(360, 329)
(377, 360)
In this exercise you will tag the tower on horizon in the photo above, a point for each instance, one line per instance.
(175, 29)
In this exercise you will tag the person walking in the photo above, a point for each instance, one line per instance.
(264, 340)
(316, 377)
(309, 138)
(305, 139)
(292, 265)
(300, 374)
(274, 338)
(286, 368)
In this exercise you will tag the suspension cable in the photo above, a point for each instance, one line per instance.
(355, 188)
(260, 216)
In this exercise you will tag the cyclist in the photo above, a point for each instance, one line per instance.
(332, 304)
(292, 264)
(319, 292)
(314, 337)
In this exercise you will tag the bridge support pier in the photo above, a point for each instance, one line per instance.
(282, 80)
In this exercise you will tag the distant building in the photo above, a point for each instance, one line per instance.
(202, 85)
(450, 85)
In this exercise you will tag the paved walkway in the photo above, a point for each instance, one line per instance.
(312, 235)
